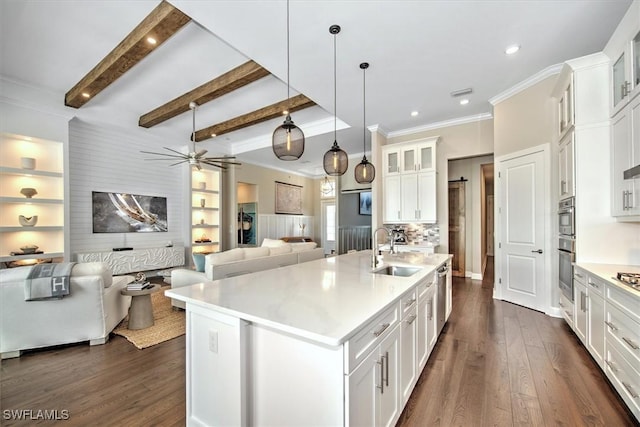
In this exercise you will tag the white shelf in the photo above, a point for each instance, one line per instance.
(30, 200)
(198, 208)
(22, 172)
(45, 255)
(205, 226)
(205, 244)
(197, 190)
(34, 228)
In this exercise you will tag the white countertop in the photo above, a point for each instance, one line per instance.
(608, 272)
(326, 300)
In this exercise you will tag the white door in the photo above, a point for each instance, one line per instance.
(329, 228)
(521, 278)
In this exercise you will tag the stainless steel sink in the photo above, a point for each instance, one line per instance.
(396, 270)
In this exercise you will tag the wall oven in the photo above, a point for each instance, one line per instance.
(566, 217)
(567, 256)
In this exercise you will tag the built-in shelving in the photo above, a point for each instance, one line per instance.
(205, 210)
(47, 177)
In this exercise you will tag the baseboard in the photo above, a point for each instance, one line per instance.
(472, 275)
(554, 312)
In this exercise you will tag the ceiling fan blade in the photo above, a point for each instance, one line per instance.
(222, 162)
(177, 152)
(180, 162)
(218, 165)
(198, 166)
(161, 154)
(165, 159)
(201, 153)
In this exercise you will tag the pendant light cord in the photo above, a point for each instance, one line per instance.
(364, 113)
(288, 92)
(193, 128)
(335, 91)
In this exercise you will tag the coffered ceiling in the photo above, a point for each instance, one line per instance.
(419, 51)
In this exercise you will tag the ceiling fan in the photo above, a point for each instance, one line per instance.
(194, 158)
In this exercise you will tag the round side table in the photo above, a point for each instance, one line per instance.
(140, 311)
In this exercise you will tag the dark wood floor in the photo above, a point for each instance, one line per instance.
(495, 364)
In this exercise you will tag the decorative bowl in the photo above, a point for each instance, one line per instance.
(28, 221)
(28, 192)
(29, 249)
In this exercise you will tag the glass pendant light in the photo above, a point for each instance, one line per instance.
(335, 160)
(364, 172)
(288, 139)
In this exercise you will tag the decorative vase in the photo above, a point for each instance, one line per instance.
(28, 192)
(202, 202)
(28, 162)
(28, 221)
(203, 185)
(29, 249)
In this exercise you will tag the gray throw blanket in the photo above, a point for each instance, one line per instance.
(48, 281)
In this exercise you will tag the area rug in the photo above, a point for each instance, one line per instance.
(168, 323)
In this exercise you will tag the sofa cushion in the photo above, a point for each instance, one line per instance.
(198, 261)
(300, 247)
(94, 269)
(231, 255)
(272, 243)
(250, 253)
(284, 249)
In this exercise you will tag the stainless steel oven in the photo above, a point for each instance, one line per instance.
(567, 256)
(566, 217)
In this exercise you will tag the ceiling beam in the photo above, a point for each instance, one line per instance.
(298, 102)
(234, 79)
(163, 21)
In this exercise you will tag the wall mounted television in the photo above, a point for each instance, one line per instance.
(128, 213)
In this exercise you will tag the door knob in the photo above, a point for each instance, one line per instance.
(538, 251)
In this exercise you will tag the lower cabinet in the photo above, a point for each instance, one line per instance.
(408, 344)
(374, 385)
(595, 326)
(580, 316)
(427, 332)
(567, 309)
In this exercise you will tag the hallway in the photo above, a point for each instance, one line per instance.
(497, 363)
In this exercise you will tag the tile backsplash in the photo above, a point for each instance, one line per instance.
(420, 232)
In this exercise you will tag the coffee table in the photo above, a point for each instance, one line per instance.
(140, 311)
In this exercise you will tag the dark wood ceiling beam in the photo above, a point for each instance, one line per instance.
(234, 79)
(163, 21)
(269, 112)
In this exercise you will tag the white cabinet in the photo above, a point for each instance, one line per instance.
(595, 320)
(449, 297)
(205, 210)
(565, 166)
(373, 387)
(427, 329)
(566, 107)
(625, 153)
(31, 163)
(409, 191)
(408, 346)
(567, 308)
(625, 74)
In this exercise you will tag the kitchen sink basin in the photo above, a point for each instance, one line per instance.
(395, 270)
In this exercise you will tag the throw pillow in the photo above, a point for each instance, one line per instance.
(198, 261)
(272, 243)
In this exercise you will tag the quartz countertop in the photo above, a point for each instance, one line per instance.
(325, 300)
(608, 272)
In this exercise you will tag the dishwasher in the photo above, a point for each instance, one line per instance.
(442, 296)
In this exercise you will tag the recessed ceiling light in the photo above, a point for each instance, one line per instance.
(414, 113)
(510, 50)
(151, 40)
(213, 135)
(85, 95)
(464, 101)
(285, 112)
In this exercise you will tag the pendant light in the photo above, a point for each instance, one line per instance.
(335, 160)
(364, 172)
(288, 139)
(326, 187)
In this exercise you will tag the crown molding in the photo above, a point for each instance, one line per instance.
(287, 171)
(379, 129)
(527, 83)
(442, 124)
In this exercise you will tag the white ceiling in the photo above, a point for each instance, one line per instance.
(419, 52)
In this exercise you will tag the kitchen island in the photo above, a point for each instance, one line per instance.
(327, 342)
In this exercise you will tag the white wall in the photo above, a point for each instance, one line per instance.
(107, 159)
(470, 169)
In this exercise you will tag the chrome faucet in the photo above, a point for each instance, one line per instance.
(374, 259)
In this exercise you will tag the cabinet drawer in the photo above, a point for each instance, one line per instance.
(627, 303)
(624, 330)
(623, 376)
(580, 275)
(596, 284)
(365, 340)
(424, 285)
(407, 302)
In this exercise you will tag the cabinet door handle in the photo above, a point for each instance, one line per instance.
(630, 343)
(630, 389)
(611, 325)
(569, 314)
(595, 285)
(610, 365)
(578, 275)
(560, 304)
(582, 301)
(398, 214)
(563, 185)
(381, 386)
(408, 303)
(630, 204)
(386, 360)
(411, 319)
(539, 251)
(430, 311)
(381, 330)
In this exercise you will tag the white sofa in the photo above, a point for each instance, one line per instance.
(234, 262)
(91, 311)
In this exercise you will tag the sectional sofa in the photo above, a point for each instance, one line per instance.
(234, 262)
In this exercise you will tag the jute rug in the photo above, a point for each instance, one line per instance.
(168, 323)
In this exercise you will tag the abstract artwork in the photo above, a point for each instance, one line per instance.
(128, 213)
(365, 203)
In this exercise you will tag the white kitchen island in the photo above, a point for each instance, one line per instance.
(325, 342)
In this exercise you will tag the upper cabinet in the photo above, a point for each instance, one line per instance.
(625, 153)
(625, 74)
(409, 182)
(566, 107)
(32, 199)
(566, 156)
